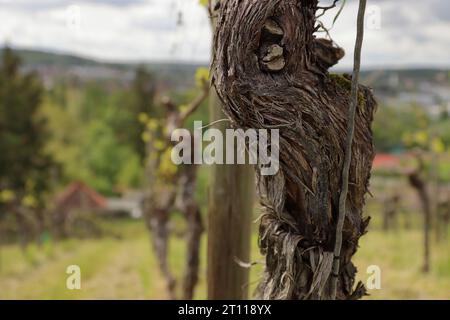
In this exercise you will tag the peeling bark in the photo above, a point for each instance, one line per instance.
(296, 94)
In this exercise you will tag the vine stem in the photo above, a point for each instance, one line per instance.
(348, 150)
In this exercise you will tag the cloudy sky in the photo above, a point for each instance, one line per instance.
(398, 33)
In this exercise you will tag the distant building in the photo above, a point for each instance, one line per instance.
(76, 198)
(130, 204)
(80, 197)
(386, 161)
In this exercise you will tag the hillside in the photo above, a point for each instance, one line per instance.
(51, 66)
(180, 76)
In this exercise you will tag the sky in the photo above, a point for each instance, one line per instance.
(399, 33)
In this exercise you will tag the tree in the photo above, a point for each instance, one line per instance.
(443, 212)
(143, 91)
(392, 122)
(167, 182)
(426, 179)
(270, 71)
(92, 137)
(418, 182)
(25, 167)
(229, 214)
(390, 211)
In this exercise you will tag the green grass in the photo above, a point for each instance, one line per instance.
(125, 268)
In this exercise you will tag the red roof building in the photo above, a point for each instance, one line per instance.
(76, 198)
(386, 161)
(79, 196)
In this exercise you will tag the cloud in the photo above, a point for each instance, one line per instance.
(30, 5)
(110, 29)
(409, 32)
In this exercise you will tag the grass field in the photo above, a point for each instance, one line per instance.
(125, 268)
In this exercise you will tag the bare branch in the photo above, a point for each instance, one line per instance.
(325, 9)
(195, 104)
(348, 151)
